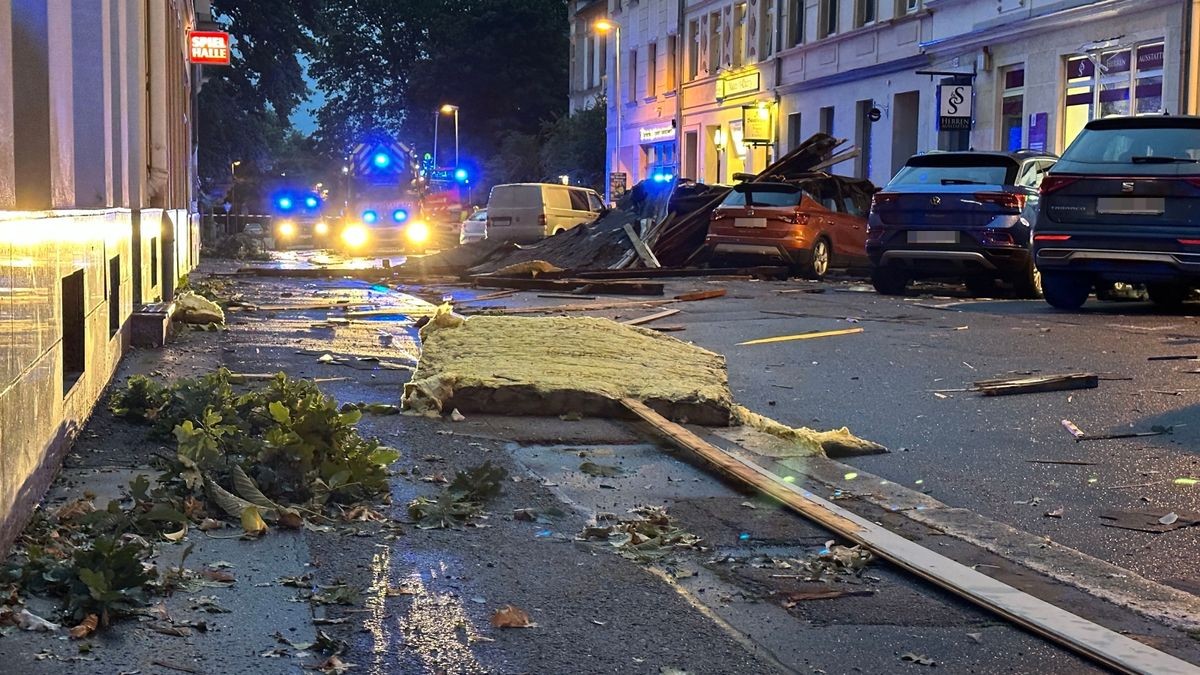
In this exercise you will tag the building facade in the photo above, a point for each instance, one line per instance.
(754, 78)
(96, 210)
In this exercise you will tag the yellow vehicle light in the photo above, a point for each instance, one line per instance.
(287, 229)
(417, 232)
(321, 228)
(355, 235)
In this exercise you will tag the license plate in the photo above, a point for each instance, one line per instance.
(1131, 206)
(749, 222)
(933, 237)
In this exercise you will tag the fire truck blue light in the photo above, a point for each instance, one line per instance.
(285, 203)
(370, 217)
(399, 215)
(381, 160)
(311, 202)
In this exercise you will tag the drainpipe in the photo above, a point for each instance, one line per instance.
(158, 191)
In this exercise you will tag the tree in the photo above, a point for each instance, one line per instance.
(575, 146)
(244, 108)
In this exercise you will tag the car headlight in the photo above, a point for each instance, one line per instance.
(287, 229)
(321, 228)
(417, 232)
(355, 235)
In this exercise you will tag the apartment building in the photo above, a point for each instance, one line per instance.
(96, 210)
(753, 78)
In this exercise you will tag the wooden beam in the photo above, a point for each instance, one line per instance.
(701, 295)
(650, 317)
(1037, 384)
(643, 251)
(567, 285)
(1091, 640)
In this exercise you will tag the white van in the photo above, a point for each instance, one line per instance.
(525, 212)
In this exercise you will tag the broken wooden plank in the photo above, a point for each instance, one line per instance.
(1174, 357)
(1093, 641)
(701, 295)
(802, 336)
(643, 251)
(1069, 462)
(680, 272)
(1037, 384)
(650, 317)
(643, 304)
(493, 296)
(566, 296)
(565, 285)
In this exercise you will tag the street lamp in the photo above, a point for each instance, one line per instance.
(446, 109)
(606, 26)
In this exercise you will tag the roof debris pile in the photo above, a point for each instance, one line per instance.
(670, 219)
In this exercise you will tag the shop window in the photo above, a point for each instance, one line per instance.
(1012, 109)
(795, 31)
(662, 159)
(1113, 82)
(829, 18)
(693, 70)
(867, 11)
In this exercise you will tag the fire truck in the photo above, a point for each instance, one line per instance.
(383, 199)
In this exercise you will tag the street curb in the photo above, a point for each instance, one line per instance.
(1169, 606)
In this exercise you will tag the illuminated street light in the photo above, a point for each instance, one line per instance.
(446, 109)
(610, 26)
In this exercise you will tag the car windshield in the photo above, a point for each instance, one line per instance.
(1146, 145)
(773, 197)
(966, 174)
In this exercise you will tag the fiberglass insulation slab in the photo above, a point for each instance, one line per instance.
(555, 365)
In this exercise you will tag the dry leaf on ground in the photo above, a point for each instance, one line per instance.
(85, 627)
(510, 616)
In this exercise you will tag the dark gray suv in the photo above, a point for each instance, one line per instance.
(1123, 205)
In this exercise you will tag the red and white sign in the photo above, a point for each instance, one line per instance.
(209, 47)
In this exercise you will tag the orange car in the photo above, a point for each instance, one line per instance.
(809, 232)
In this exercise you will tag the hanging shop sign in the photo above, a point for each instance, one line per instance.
(756, 125)
(208, 47)
(664, 132)
(736, 85)
(955, 107)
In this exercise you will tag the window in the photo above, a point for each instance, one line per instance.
(795, 23)
(1113, 82)
(827, 120)
(661, 159)
(714, 42)
(579, 200)
(73, 332)
(1012, 109)
(766, 31)
(739, 34)
(594, 202)
(775, 195)
(153, 262)
(867, 10)
(793, 127)
(631, 88)
(1139, 142)
(114, 295)
(651, 69)
(672, 62)
(906, 7)
(693, 65)
(829, 18)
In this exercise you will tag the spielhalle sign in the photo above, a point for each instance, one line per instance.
(210, 48)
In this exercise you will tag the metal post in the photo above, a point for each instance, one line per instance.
(455, 137)
(617, 100)
(437, 114)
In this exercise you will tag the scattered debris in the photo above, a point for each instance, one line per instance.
(646, 537)
(1073, 430)
(1156, 521)
(195, 309)
(1042, 383)
(794, 598)
(511, 616)
(462, 499)
(1055, 513)
(1070, 462)
(600, 470)
(802, 336)
(919, 659)
(1176, 357)
(702, 295)
(650, 317)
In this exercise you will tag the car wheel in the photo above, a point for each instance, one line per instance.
(889, 281)
(818, 263)
(1064, 290)
(1169, 296)
(980, 286)
(1028, 282)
